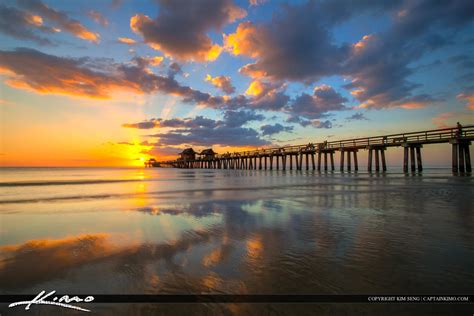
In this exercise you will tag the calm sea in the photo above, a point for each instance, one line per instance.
(149, 231)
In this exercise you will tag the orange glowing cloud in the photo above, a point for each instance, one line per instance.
(258, 88)
(205, 51)
(32, 70)
(126, 40)
(183, 34)
(35, 20)
(468, 98)
(222, 82)
(360, 45)
(245, 40)
(255, 88)
(441, 119)
(59, 18)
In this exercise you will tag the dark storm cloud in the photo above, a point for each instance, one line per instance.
(268, 130)
(294, 45)
(239, 118)
(180, 29)
(324, 99)
(297, 45)
(379, 64)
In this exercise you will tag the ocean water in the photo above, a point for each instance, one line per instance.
(195, 231)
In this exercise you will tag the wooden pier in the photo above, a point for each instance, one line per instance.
(302, 157)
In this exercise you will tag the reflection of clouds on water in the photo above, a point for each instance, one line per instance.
(40, 260)
(339, 237)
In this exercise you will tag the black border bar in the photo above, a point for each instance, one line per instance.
(259, 298)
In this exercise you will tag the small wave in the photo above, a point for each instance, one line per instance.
(149, 194)
(64, 182)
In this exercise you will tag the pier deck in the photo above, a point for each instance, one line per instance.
(297, 156)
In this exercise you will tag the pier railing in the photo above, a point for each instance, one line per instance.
(442, 135)
(460, 137)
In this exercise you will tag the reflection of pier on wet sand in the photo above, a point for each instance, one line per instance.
(321, 156)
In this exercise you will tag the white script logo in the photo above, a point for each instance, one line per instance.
(62, 301)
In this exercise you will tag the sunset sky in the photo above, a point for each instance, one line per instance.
(110, 83)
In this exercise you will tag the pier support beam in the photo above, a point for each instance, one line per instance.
(348, 161)
(325, 161)
(412, 156)
(377, 164)
(384, 163)
(369, 162)
(350, 152)
(342, 160)
(418, 159)
(319, 160)
(461, 156)
(356, 164)
(379, 158)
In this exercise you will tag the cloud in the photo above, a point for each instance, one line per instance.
(462, 61)
(146, 61)
(198, 121)
(296, 44)
(449, 119)
(380, 67)
(468, 98)
(201, 131)
(268, 130)
(115, 4)
(256, 2)
(60, 19)
(324, 99)
(239, 118)
(98, 18)
(180, 29)
(324, 124)
(357, 117)
(441, 119)
(174, 69)
(23, 25)
(32, 70)
(379, 73)
(265, 96)
(126, 40)
(222, 82)
(222, 135)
